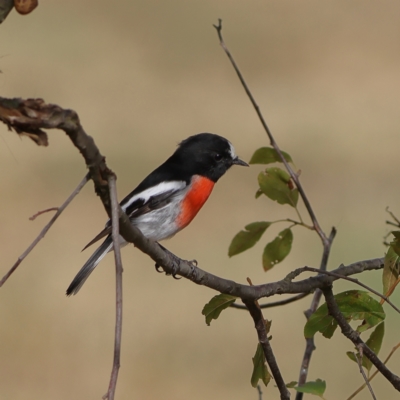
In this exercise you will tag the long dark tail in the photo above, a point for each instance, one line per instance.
(89, 266)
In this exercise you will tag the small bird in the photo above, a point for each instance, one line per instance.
(168, 199)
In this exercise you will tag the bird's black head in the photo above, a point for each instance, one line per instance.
(207, 154)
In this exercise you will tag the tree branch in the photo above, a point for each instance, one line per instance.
(351, 334)
(259, 324)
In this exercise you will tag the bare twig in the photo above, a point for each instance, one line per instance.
(292, 174)
(34, 216)
(260, 393)
(274, 303)
(351, 334)
(45, 229)
(374, 374)
(358, 357)
(118, 272)
(394, 217)
(259, 323)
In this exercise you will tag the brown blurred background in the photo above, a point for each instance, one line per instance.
(143, 75)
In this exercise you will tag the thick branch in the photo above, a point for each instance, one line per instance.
(29, 117)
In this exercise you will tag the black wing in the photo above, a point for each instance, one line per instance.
(138, 208)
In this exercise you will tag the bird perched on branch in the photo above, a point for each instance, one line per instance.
(168, 199)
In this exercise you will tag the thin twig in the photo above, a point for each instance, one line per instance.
(354, 280)
(355, 338)
(34, 216)
(394, 217)
(118, 272)
(292, 174)
(310, 345)
(374, 374)
(275, 303)
(45, 229)
(260, 393)
(358, 357)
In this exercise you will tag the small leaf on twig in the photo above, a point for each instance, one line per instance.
(354, 305)
(278, 249)
(246, 239)
(216, 305)
(275, 184)
(316, 388)
(268, 155)
(260, 370)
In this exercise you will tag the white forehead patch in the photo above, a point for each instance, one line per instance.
(232, 151)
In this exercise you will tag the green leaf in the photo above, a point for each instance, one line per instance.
(391, 268)
(216, 305)
(260, 370)
(374, 343)
(375, 340)
(278, 249)
(396, 242)
(268, 155)
(354, 305)
(275, 184)
(316, 388)
(246, 239)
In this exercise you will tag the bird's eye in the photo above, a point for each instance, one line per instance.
(218, 157)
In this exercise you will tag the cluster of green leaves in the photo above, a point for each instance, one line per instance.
(354, 305)
(276, 184)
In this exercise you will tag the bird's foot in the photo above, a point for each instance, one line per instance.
(175, 264)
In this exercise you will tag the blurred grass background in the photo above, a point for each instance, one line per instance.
(143, 75)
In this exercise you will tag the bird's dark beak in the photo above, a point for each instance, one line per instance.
(238, 161)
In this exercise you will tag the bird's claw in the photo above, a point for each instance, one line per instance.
(159, 268)
(175, 270)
